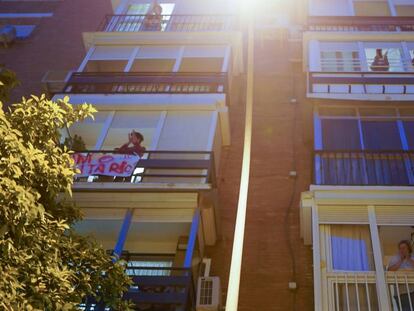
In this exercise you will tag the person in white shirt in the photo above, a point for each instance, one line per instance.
(403, 261)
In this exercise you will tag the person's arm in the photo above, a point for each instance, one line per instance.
(411, 261)
(395, 263)
(123, 148)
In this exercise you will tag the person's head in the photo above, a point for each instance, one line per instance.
(379, 52)
(156, 7)
(137, 138)
(404, 248)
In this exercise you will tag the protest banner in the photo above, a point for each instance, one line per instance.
(117, 165)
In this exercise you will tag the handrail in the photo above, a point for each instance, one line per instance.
(164, 169)
(364, 167)
(166, 22)
(360, 23)
(147, 82)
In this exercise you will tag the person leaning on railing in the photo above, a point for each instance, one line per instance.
(380, 62)
(134, 138)
(403, 261)
(153, 18)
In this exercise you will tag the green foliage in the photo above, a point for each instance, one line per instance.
(44, 265)
(8, 81)
(74, 143)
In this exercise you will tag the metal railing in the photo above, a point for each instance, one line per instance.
(149, 82)
(364, 167)
(163, 167)
(361, 82)
(162, 292)
(358, 290)
(347, 64)
(170, 23)
(352, 291)
(400, 285)
(360, 23)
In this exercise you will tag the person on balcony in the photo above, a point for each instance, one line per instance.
(380, 62)
(135, 139)
(153, 18)
(403, 261)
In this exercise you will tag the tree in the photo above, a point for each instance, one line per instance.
(44, 264)
(8, 81)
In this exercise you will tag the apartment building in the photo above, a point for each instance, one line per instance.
(358, 56)
(166, 70)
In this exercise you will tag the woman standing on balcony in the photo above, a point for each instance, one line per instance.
(134, 138)
(153, 18)
(403, 261)
(380, 62)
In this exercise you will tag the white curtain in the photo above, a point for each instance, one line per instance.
(351, 248)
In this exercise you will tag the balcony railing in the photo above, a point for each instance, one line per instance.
(358, 290)
(144, 83)
(361, 82)
(173, 288)
(363, 167)
(169, 23)
(360, 23)
(160, 167)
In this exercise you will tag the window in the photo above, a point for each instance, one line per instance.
(340, 61)
(90, 129)
(155, 59)
(365, 146)
(346, 249)
(361, 56)
(24, 31)
(390, 237)
(377, 55)
(125, 121)
(340, 134)
(109, 59)
(109, 130)
(203, 59)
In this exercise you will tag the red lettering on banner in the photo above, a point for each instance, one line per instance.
(105, 159)
(100, 169)
(114, 168)
(128, 168)
(98, 164)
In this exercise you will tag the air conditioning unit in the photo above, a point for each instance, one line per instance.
(208, 294)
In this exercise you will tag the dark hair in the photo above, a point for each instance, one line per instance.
(138, 135)
(406, 242)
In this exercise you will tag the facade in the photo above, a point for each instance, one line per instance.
(331, 180)
(358, 56)
(169, 77)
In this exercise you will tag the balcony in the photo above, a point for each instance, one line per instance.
(158, 288)
(167, 23)
(360, 23)
(146, 83)
(358, 290)
(361, 85)
(154, 170)
(364, 168)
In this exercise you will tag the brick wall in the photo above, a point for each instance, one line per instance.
(55, 44)
(279, 128)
